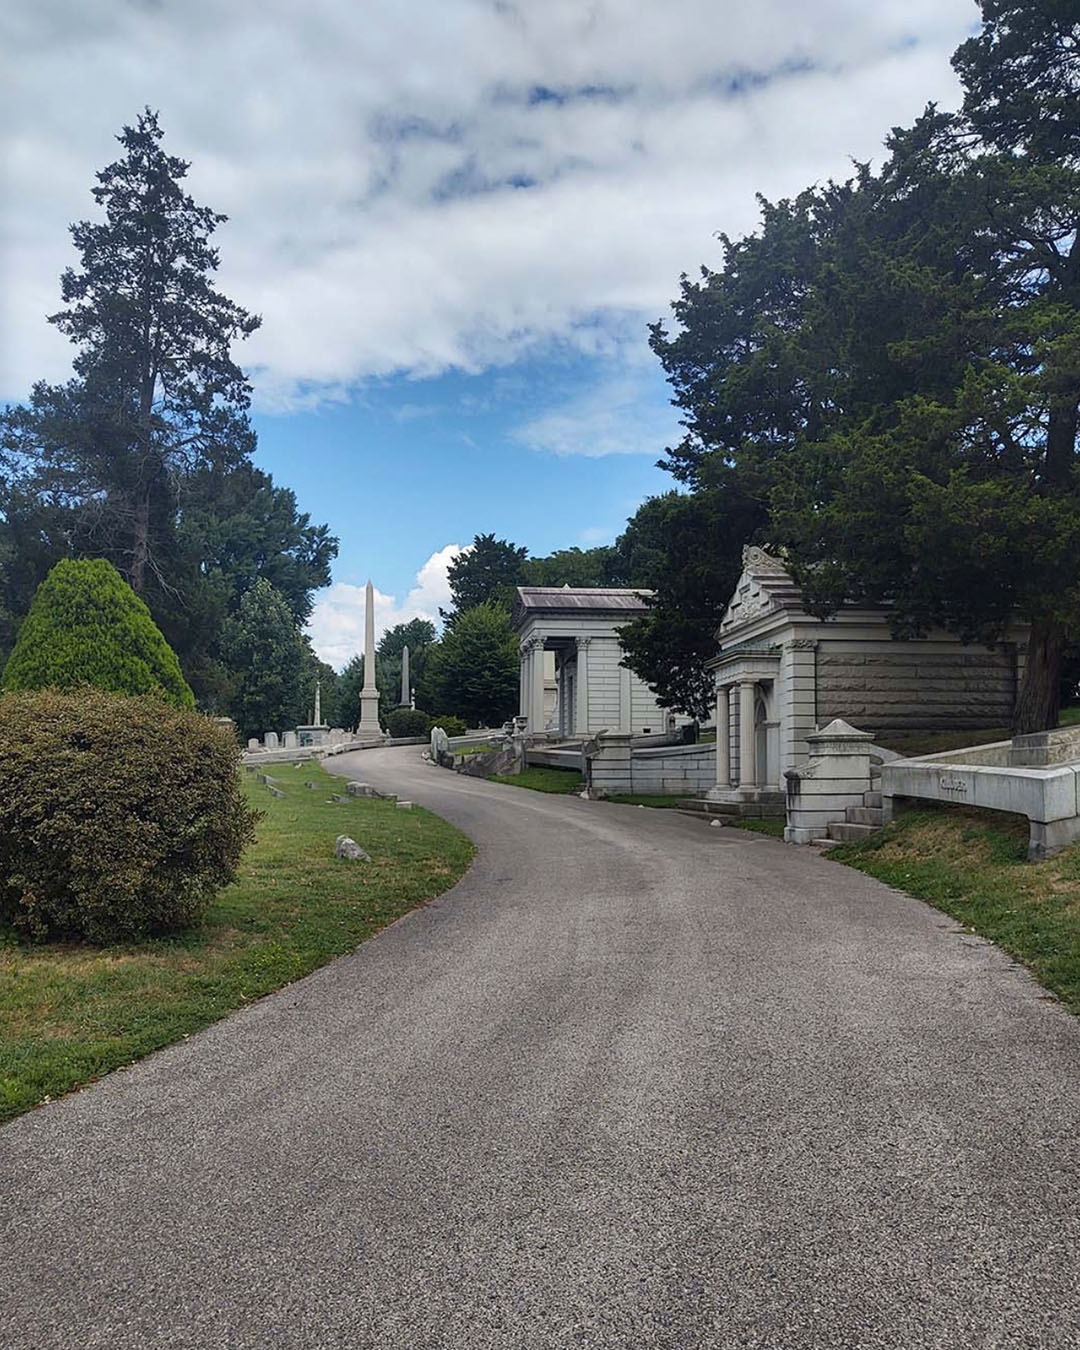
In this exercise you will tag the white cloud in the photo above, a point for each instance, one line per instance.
(450, 183)
(337, 622)
(613, 418)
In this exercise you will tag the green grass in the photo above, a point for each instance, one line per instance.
(972, 865)
(936, 742)
(773, 826)
(69, 1014)
(542, 779)
(653, 799)
(480, 749)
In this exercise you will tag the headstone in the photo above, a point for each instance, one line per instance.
(290, 740)
(309, 784)
(349, 848)
(337, 797)
(404, 806)
(270, 740)
(359, 790)
(273, 791)
(254, 743)
(440, 744)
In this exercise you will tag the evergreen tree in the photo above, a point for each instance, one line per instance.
(476, 667)
(487, 574)
(273, 684)
(86, 626)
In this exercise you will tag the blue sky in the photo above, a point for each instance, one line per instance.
(456, 218)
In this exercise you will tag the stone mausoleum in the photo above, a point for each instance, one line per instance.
(572, 681)
(780, 672)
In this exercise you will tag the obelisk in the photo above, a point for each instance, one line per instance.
(406, 695)
(369, 695)
(317, 720)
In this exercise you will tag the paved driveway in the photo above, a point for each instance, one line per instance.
(634, 1083)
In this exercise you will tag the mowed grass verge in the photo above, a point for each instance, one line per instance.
(972, 865)
(69, 1014)
(542, 779)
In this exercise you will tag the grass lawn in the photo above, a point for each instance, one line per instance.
(69, 1014)
(654, 799)
(542, 779)
(972, 864)
(770, 825)
(480, 749)
(936, 742)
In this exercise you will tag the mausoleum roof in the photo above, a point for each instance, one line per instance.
(534, 600)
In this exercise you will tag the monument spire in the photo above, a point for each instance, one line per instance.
(369, 695)
(406, 695)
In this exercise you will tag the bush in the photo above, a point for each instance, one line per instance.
(453, 726)
(120, 817)
(408, 722)
(86, 626)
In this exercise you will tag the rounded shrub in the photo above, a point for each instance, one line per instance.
(120, 817)
(453, 726)
(407, 722)
(87, 626)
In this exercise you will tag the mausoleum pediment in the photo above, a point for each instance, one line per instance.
(764, 587)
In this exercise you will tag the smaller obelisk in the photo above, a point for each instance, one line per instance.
(317, 719)
(369, 695)
(406, 696)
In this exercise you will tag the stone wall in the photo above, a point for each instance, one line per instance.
(677, 770)
(910, 689)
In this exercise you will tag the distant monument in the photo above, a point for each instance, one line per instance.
(317, 719)
(406, 696)
(368, 727)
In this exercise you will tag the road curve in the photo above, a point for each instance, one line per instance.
(635, 1082)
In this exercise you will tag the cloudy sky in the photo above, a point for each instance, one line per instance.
(456, 218)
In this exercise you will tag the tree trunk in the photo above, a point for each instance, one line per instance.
(1039, 700)
(140, 550)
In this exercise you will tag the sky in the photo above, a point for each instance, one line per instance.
(457, 219)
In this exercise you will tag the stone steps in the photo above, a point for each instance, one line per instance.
(844, 832)
(865, 815)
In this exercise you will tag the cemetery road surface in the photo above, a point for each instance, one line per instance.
(635, 1082)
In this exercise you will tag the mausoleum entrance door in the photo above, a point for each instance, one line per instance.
(766, 740)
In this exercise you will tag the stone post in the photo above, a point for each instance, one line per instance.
(723, 739)
(836, 776)
(747, 773)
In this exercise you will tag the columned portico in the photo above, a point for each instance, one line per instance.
(747, 743)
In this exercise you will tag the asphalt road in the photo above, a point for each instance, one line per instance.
(636, 1082)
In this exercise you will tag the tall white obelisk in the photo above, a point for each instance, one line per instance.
(369, 695)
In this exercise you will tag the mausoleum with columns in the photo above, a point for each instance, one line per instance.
(570, 634)
(781, 672)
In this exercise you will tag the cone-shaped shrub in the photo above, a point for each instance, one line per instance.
(87, 626)
(120, 817)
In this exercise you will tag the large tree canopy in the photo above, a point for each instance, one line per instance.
(143, 458)
(890, 367)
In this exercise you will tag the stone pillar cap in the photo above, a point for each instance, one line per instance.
(839, 730)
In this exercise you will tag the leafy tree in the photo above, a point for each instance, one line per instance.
(690, 547)
(155, 391)
(574, 567)
(891, 366)
(87, 626)
(419, 636)
(273, 663)
(350, 682)
(476, 667)
(487, 574)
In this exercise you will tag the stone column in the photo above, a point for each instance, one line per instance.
(523, 680)
(626, 710)
(581, 692)
(536, 686)
(723, 738)
(747, 774)
(406, 688)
